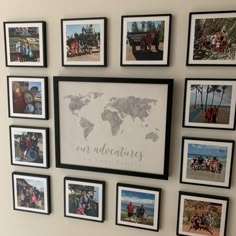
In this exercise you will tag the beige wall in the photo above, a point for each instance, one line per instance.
(22, 223)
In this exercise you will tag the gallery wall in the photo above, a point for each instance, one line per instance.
(24, 223)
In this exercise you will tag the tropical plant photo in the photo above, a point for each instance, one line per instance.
(212, 38)
(210, 103)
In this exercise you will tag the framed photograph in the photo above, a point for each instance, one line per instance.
(145, 40)
(84, 199)
(201, 214)
(29, 146)
(25, 43)
(210, 103)
(28, 97)
(84, 41)
(96, 118)
(207, 161)
(31, 192)
(138, 206)
(211, 39)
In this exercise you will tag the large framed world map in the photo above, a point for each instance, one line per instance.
(113, 125)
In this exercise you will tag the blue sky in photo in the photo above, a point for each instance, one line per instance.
(207, 150)
(71, 29)
(37, 84)
(138, 198)
(39, 184)
(129, 25)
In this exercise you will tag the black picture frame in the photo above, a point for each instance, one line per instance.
(31, 193)
(210, 202)
(206, 162)
(29, 146)
(28, 97)
(148, 45)
(30, 50)
(84, 199)
(90, 44)
(107, 88)
(210, 103)
(210, 48)
(138, 206)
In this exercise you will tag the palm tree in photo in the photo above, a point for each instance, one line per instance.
(194, 87)
(214, 89)
(223, 88)
(200, 90)
(143, 26)
(208, 90)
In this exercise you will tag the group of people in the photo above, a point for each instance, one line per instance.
(146, 42)
(26, 100)
(206, 164)
(216, 42)
(211, 114)
(26, 147)
(84, 204)
(76, 48)
(30, 197)
(24, 50)
(136, 213)
(82, 43)
(202, 221)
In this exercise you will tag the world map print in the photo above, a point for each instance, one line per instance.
(114, 110)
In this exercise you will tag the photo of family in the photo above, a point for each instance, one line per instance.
(202, 215)
(31, 193)
(29, 146)
(207, 162)
(212, 38)
(145, 39)
(27, 97)
(84, 199)
(83, 41)
(211, 103)
(24, 43)
(138, 207)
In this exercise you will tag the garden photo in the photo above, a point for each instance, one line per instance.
(83, 41)
(138, 207)
(29, 146)
(31, 192)
(202, 215)
(207, 162)
(25, 43)
(27, 97)
(214, 38)
(84, 199)
(145, 39)
(211, 103)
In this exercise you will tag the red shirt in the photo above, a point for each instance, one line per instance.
(130, 208)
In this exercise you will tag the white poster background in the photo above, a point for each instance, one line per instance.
(131, 136)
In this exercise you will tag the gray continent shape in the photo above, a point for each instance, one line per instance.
(118, 108)
(77, 102)
(133, 106)
(153, 136)
(87, 126)
(113, 118)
